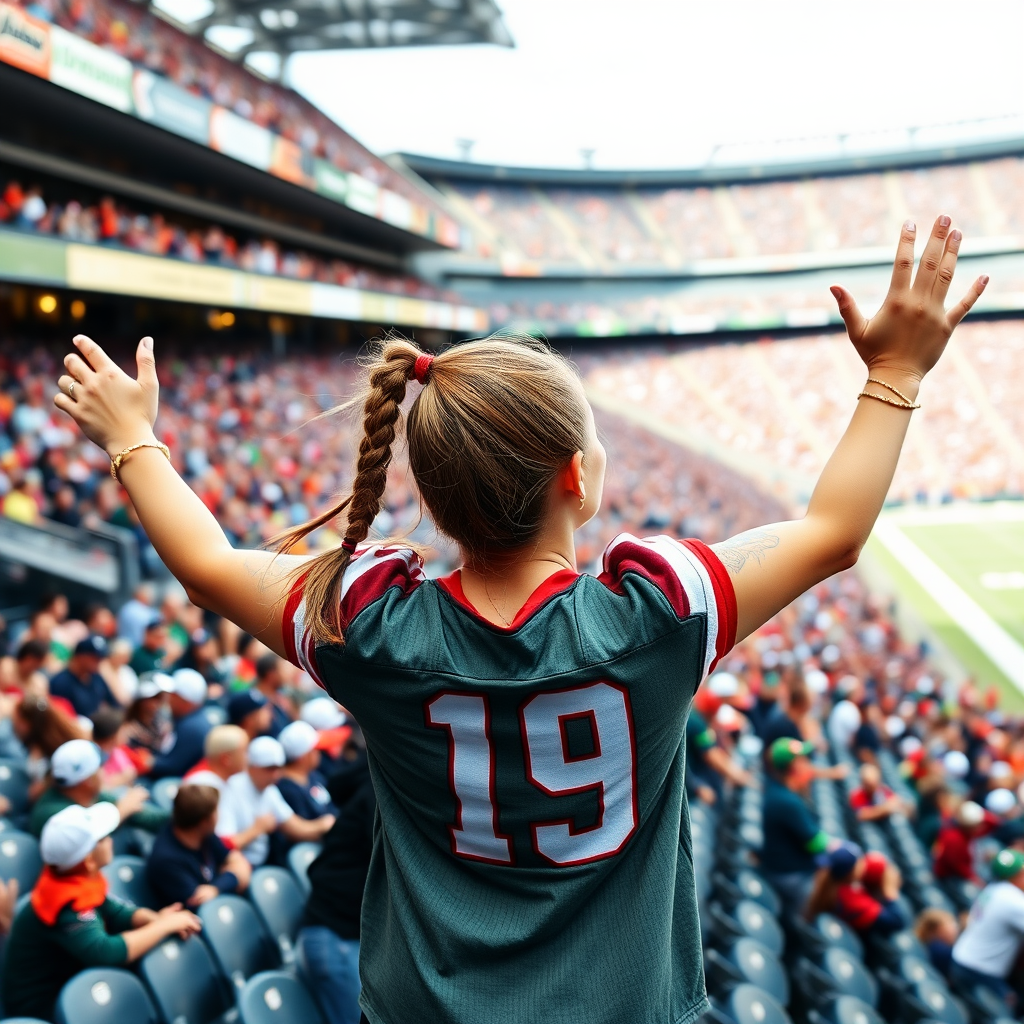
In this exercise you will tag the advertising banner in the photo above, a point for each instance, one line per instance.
(170, 107)
(24, 41)
(89, 70)
(395, 209)
(241, 139)
(330, 181)
(363, 195)
(290, 161)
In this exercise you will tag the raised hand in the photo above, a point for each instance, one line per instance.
(908, 334)
(113, 410)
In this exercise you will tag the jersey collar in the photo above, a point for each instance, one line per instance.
(551, 587)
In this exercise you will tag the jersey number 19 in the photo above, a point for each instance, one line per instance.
(609, 770)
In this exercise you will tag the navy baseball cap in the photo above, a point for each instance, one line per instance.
(94, 645)
(245, 703)
(840, 861)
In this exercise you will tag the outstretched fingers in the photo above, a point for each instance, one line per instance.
(852, 316)
(92, 353)
(947, 265)
(963, 307)
(903, 266)
(932, 256)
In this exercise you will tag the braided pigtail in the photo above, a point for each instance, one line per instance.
(382, 410)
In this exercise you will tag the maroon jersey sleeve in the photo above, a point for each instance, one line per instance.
(689, 574)
(370, 573)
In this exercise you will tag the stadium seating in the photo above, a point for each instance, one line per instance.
(101, 995)
(300, 856)
(126, 879)
(274, 997)
(237, 939)
(185, 984)
(19, 859)
(280, 902)
(14, 783)
(163, 792)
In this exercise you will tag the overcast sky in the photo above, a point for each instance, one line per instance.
(659, 83)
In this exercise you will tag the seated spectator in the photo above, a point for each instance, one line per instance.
(328, 944)
(70, 922)
(225, 753)
(201, 654)
(990, 943)
(251, 800)
(954, 847)
(872, 800)
(861, 890)
(148, 720)
(792, 836)
(149, 655)
(122, 679)
(867, 739)
(251, 710)
(81, 683)
(23, 674)
(270, 682)
(301, 784)
(784, 721)
(42, 727)
(109, 734)
(937, 929)
(77, 779)
(190, 727)
(189, 863)
(136, 614)
(707, 762)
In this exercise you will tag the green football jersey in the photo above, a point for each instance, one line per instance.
(528, 862)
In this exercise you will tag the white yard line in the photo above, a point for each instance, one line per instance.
(1001, 648)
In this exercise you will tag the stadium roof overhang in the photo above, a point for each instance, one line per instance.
(239, 28)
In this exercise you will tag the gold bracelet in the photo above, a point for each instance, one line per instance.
(889, 387)
(888, 401)
(115, 462)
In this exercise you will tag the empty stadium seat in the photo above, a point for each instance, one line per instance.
(101, 995)
(300, 856)
(748, 1004)
(281, 904)
(19, 858)
(274, 997)
(747, 919)
(126, 879)
(14, 783)
(747, 885)
(163, 793)
(240, 944)
(837, 973)
(845, 1010)
(185, 983)
(932, 1001)
(747, 961)
(839, 933)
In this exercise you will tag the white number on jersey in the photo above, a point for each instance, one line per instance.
(609, 770)
(471, 776)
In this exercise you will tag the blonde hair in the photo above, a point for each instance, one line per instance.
(496, 422)
(223, 739)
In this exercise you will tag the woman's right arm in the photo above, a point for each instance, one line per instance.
(114, 411)
(771, 566)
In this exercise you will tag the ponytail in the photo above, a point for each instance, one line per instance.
(382, 411)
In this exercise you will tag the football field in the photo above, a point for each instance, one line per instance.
(961, 568)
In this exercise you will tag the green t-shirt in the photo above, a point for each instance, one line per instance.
(40, 958)
(528, 863)
(149, 819)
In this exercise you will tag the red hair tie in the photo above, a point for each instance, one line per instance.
(349, 546)
(421, 368)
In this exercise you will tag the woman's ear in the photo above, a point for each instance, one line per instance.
(572, 479)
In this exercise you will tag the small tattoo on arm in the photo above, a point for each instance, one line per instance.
(738, 550)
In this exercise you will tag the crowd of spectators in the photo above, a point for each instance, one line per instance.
(149, 42)
(666, 226)
(110, 222)
(787, 402)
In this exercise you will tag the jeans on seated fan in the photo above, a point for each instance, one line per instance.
(329, 966)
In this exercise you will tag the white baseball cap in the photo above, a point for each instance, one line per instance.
(74, 762)
(956, 764)
(970, 814)
(153, 685)
(266, 752)
(322, 713)
(1000, 770)
(1000, 801)
(72, 834)
(724, 685)
(297, 739)
(816, 680)
(189, 685)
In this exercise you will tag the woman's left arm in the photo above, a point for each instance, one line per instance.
(114, 411)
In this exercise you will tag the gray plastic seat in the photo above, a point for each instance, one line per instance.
(240, 944)
(851, 1010)
(185, 983)
(848, 975)
(839, 933)
(14, 783)
(163, 793)
(748, 920)
(747, 961)
(19, 858)
(300, 856)
(274, 997)
(748, 1004)
(101, 995)
(938, 1004)
(126, 879)
(281, 903)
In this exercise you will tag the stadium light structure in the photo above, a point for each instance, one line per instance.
(240, 28)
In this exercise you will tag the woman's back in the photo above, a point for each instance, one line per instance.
(530, 785)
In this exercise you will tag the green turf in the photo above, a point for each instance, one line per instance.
(960, 646)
